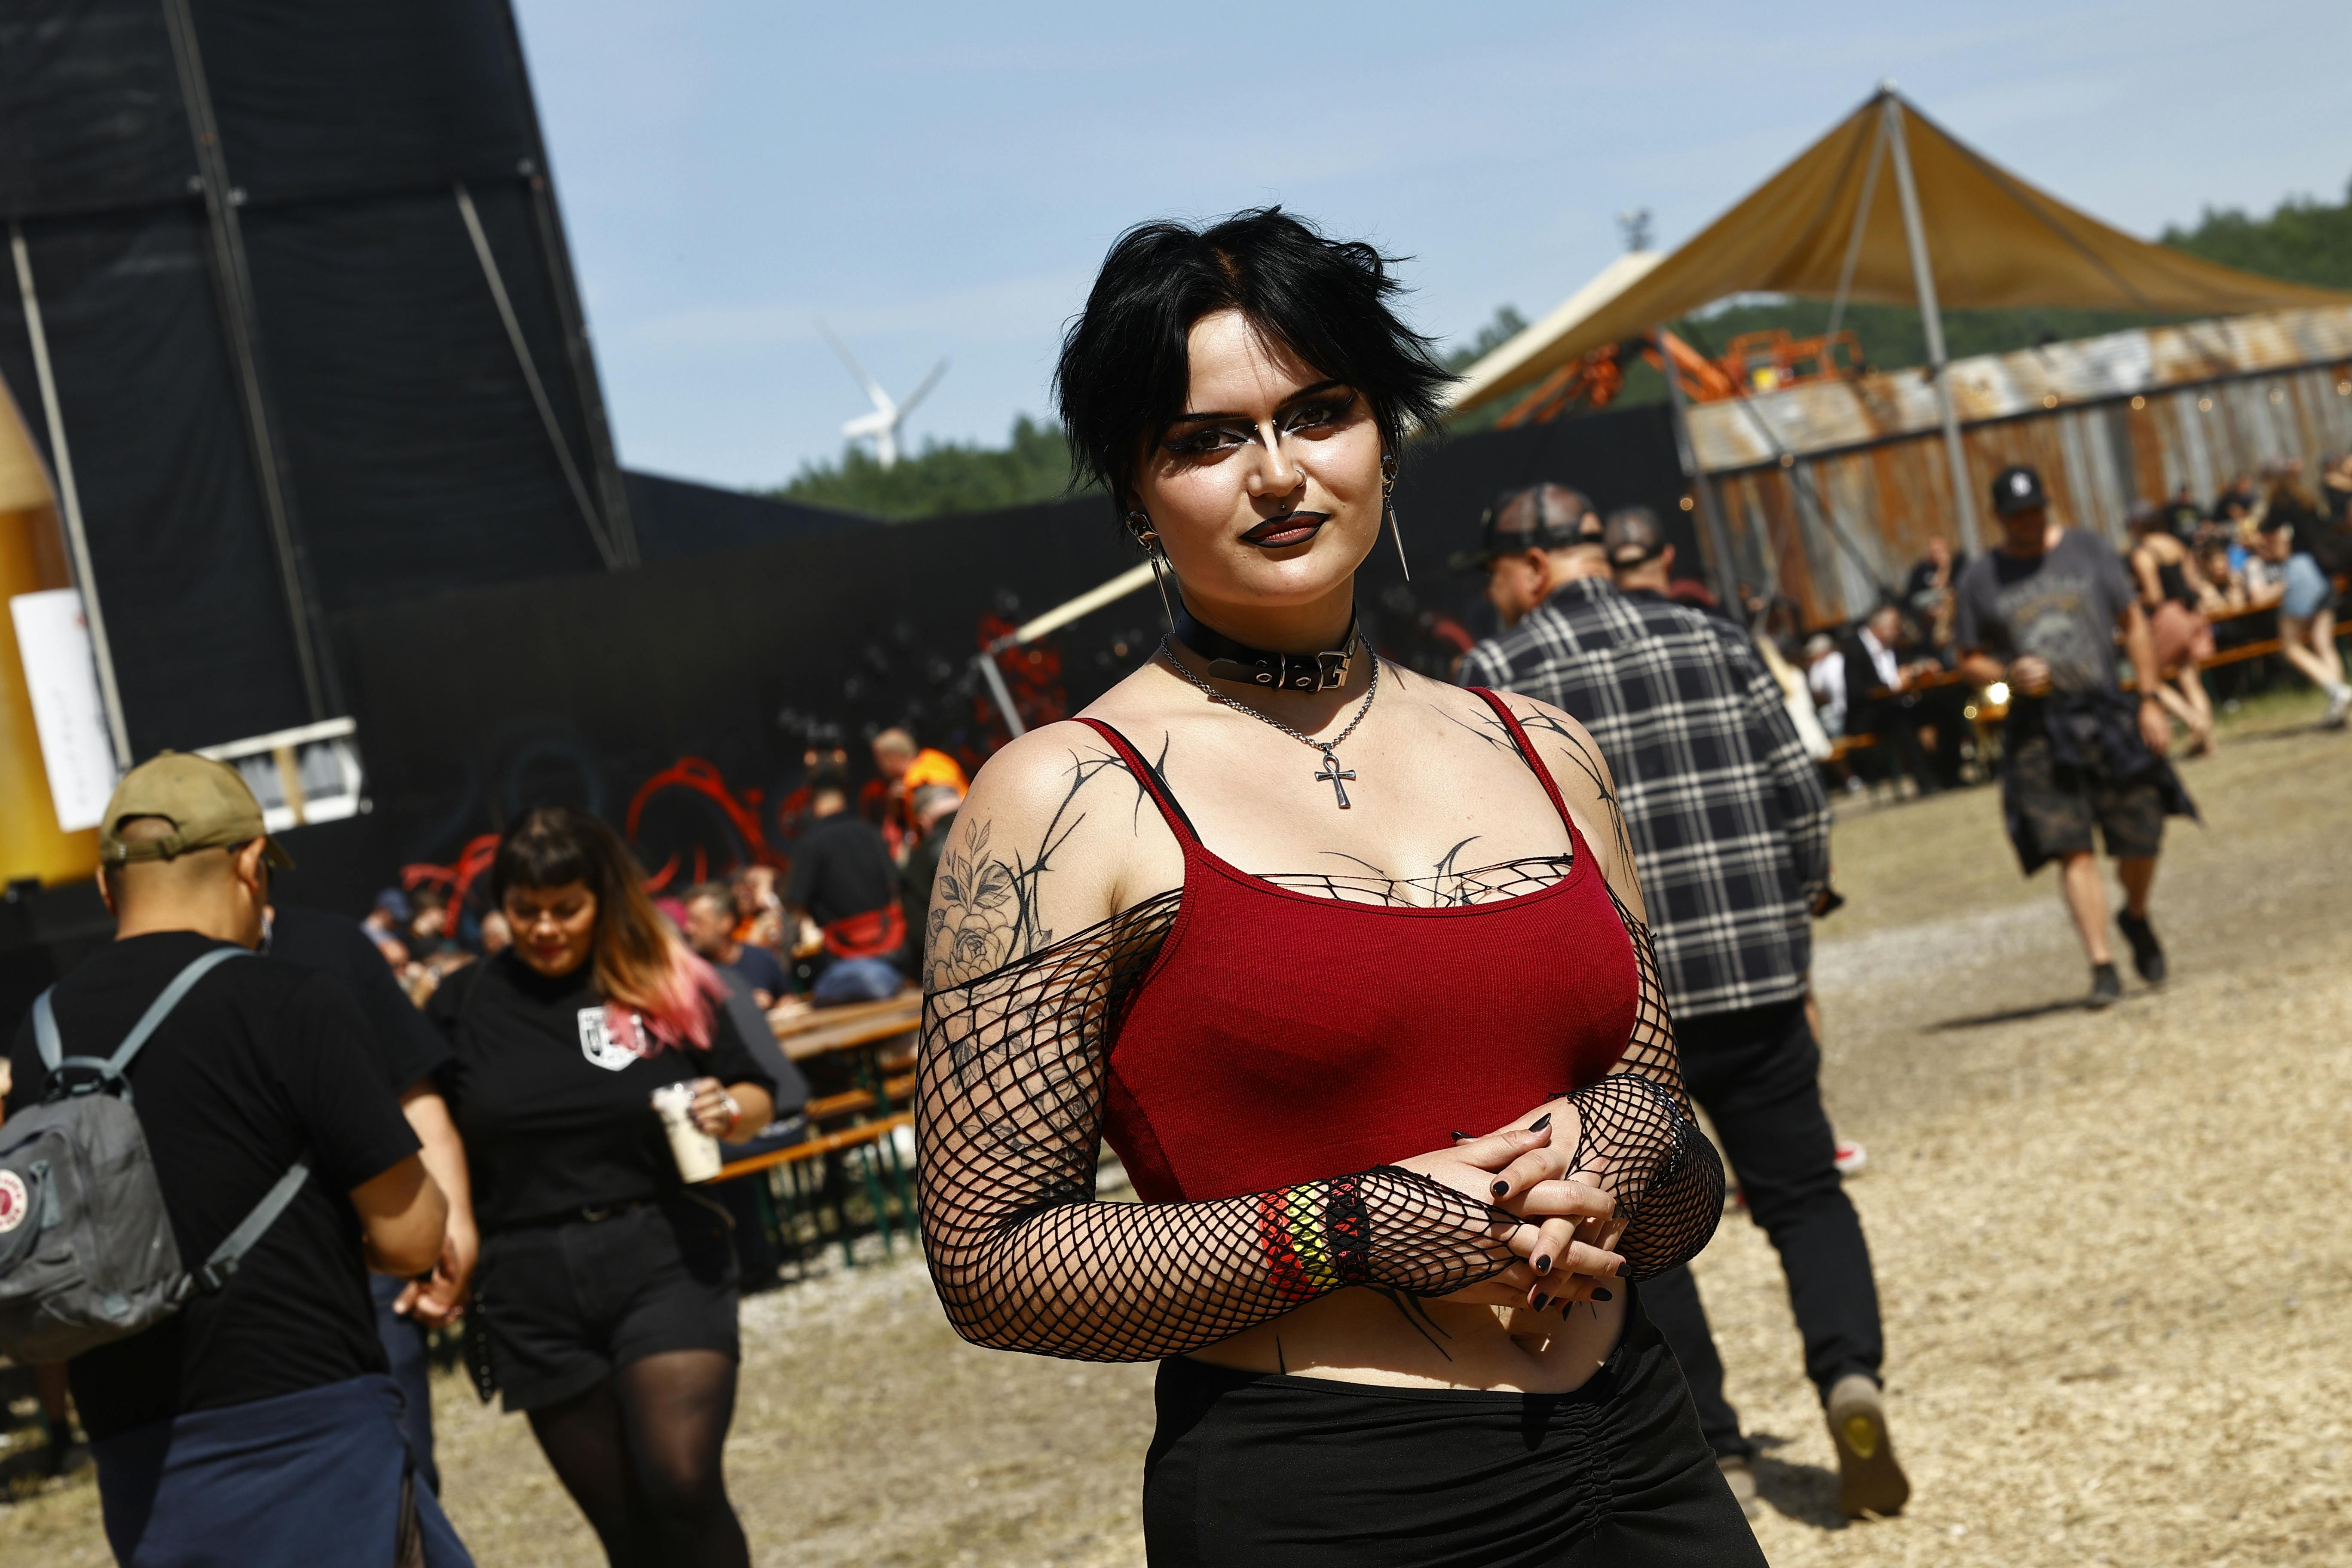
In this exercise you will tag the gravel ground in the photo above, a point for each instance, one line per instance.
(2116, 1312)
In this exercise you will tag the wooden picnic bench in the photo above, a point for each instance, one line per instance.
(871, 1115)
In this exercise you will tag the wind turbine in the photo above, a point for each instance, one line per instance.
(882, 424)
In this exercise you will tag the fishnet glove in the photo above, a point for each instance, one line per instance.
(1637, 1132)
(1008, 1120)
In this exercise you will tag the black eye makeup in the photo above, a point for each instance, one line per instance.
(1317, 409)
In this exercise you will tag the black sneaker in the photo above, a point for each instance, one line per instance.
(2105, 988)
(2147, 953)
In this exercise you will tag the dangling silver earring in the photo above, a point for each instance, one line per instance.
(1388, 484)
(1140, 524)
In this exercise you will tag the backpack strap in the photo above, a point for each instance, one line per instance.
(111, 1069)
(232, 1250)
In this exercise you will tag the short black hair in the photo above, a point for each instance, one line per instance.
(1125, 370)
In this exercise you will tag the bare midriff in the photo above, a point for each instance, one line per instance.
(1364, 1336)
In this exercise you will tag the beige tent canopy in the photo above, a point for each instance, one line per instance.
(1958, 229)
(1991, 241)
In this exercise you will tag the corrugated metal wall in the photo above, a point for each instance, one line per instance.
(1828, 532)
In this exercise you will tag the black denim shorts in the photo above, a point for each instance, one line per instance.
(569, 1304)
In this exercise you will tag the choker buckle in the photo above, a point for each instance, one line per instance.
(1325, 671)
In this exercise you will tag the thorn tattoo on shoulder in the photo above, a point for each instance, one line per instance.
(984, 908)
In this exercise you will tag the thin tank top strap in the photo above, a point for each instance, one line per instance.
(1527, 750)
(1148, 777)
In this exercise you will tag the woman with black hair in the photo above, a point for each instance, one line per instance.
(606, 1287)
(1347, 965)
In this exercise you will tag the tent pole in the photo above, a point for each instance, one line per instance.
(1923, 280)
(233, 287)
(1861, 226)
(69, 501)
(1003, 697)
(613, 558)
(1718, 540)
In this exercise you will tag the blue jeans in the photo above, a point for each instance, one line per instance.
(403, 1348)
(2308, 590)
(292, 1481)
(857, 980)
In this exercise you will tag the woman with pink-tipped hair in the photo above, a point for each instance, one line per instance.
(606, 1293)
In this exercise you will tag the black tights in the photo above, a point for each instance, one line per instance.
(640, 1454)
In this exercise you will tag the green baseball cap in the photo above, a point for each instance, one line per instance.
(207, 802)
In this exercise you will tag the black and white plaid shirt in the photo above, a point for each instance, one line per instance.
(1730, 829)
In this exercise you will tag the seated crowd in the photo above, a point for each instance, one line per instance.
(2273, 544)
(842, 922)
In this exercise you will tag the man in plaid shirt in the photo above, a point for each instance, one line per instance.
(1730, 831)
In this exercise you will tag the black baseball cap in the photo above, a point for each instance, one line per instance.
(1633, 536)
(2016, 489)
(1568, 519)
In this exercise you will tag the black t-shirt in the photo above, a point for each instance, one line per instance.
(408, 1047)
(261, 1064)
(757, 968)
(557, 1114)
(840, 868)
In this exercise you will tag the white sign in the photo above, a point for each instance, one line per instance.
(61, 674)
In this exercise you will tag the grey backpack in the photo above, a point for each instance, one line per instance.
(86, 1253)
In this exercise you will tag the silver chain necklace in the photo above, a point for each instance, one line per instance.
(1331, 774)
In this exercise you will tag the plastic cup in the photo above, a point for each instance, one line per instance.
(695, 1152)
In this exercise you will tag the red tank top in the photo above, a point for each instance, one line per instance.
(1281, 1037)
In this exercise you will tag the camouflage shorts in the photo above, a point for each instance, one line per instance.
(2060, 805)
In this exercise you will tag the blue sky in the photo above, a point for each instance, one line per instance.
(938, 181)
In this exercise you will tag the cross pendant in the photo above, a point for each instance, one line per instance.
(1332, 775)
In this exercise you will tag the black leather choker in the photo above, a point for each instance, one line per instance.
(1232, 660)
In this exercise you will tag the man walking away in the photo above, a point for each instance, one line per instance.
(1731, 832)
(256, 1425)
(844, 881)
(406, 1050)
(1529, 543)
(2076, 753)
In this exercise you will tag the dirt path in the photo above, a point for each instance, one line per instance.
(2116, 1289)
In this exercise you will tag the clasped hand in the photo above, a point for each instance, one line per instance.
(1569, 1223)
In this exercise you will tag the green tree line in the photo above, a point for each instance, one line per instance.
(2303, 241)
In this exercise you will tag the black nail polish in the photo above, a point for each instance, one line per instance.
(1502, 1187)
(1541, 1301)
(1601, 1293)
(1540, 1122)
(1462, 1137)
(1543, 1264)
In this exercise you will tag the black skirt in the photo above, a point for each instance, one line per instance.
(1290, 1472)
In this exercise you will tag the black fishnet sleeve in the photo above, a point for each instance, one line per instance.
(1008, 1121)
(1638, 1132)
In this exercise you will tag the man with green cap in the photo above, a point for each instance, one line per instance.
(259, 1413)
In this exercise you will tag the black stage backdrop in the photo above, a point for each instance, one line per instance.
(678, 699)
(243, 223)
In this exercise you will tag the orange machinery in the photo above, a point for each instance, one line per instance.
(1756, 362)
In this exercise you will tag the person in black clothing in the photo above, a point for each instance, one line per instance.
(843, 880)
(1880, 699)
(259, 1413)
(409, 1049)
(607, 1289)
(934, 808)
(710, 932)
(2040, 611)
